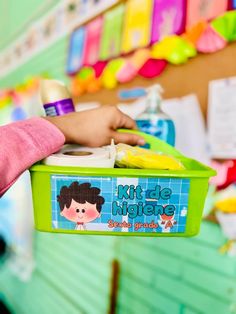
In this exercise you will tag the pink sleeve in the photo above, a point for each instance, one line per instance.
(24, 143)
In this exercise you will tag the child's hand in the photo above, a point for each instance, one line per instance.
(96, 127)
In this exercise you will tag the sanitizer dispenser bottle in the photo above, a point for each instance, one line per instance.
(154, 121)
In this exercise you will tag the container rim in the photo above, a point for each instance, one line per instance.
(202, 172)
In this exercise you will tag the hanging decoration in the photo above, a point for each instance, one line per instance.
(58, 22)
(108, 76)
(168, 18)
(192, 34)
(152, 68)
(225, 25)
(204, 10)
(173, 49)
(210, 41)
(76, 50)
(20, 94)
(132, 65)
(137, 39)
(137, 25)
(110, 45)
(92, 41)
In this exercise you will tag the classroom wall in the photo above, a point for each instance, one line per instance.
(181, 80)
(161, 276)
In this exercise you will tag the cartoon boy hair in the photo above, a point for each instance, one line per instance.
(81, 193)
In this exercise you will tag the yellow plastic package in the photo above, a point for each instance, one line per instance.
(227, 206)
(135, 157)
(226, 200)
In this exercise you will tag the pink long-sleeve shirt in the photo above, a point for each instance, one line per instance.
(24, 143)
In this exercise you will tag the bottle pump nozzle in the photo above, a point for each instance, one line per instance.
(154, 97)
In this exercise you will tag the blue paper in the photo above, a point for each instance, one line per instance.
(75, 57)
(132, 93)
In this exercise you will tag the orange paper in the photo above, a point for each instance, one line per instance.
(204, 10)
(193, 34)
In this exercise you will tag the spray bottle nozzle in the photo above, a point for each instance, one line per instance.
(154, 98)
(155, 88)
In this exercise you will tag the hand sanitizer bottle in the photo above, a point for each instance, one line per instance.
(154, 121)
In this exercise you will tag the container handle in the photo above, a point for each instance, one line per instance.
(156, 144)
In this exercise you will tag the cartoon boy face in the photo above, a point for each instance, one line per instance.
(78, 212)
(80, 203)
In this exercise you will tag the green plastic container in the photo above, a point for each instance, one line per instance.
(127, 202)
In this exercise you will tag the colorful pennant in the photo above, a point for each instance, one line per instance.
(204, 10)
(168, 18)
(92, 41)
(137, 24)
(112, 32)
(76, 50)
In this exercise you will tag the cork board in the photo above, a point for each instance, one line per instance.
(192, 77)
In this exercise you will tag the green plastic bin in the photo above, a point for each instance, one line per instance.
(127, 202)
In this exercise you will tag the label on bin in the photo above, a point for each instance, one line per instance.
(119, 204)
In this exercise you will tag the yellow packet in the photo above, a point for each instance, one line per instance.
(227, 206)
(135, 157)
(225, 200)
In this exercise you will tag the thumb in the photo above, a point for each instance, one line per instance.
(127, 138)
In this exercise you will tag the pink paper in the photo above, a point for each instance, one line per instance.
(126, 73)
(92, 41)
(198, 10)
(99, 67)
(210, 41)
(168, 18)
(152, 68)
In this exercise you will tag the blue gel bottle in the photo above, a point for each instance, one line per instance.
(154, 121)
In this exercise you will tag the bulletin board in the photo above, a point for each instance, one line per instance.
(177, 81)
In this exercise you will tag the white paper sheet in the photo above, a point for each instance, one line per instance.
(222, 118)
(191, 137)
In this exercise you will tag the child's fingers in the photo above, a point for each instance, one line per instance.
(127, 138)
(127, 122)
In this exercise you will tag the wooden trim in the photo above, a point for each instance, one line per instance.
(114, 286)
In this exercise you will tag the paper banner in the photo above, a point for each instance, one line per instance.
(168, 18)
(193, 33)
(225, 25)
(198, 10)
(92, 41)
(59, 21)
(112, 32)
(71, 9)
(152, 68)
(210, 41)
(137, 24)
(132, 65)
(76, 51)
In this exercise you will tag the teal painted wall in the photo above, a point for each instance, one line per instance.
(73, 273)
(16, 16)
(161, 276)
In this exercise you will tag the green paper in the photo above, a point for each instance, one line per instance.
(109, 73)
(226, 25)
(112, 33)
(86, 73)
